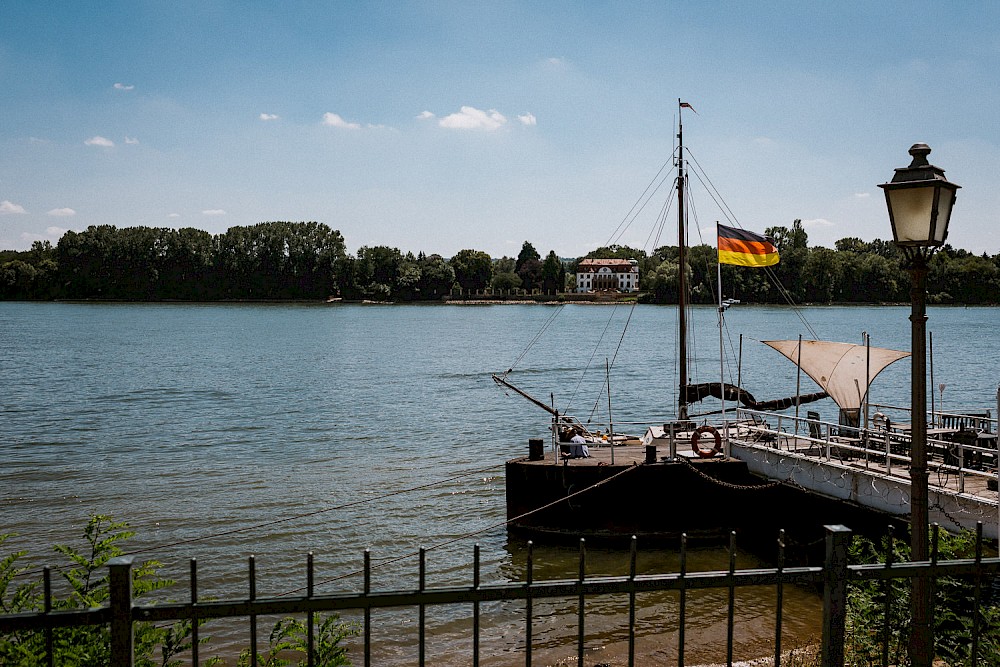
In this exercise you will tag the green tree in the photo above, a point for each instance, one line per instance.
(552, 273)
(377, 271)
(436, 277)
(473, 269)
(527, 253)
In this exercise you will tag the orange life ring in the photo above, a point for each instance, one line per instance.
(706, 453)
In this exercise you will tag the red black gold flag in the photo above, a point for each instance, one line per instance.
(737, 246)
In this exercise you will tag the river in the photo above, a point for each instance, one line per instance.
(221, 431)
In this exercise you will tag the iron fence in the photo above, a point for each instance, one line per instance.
(834, 577)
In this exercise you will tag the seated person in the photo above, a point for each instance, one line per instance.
(581, 444)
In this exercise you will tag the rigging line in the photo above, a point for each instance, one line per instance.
(618, 236)
(590, 361)
(661, 222)
(638, 200)
(266, 524)
(537, 337)
(700, 171)
(721, 204)
(396, 559)
(791, 302)
(731, 217)
(624, 329)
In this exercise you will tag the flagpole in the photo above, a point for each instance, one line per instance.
(722, 368)
(682, 408)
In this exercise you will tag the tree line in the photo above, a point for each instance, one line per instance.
(309, 261)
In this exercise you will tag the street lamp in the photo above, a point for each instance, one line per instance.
(920, 201)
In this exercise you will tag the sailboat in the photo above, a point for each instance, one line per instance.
(680, 455)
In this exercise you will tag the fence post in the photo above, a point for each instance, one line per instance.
(120, 604)
(835, 595)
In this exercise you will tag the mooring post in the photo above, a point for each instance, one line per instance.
(120, 604)
(835, 595)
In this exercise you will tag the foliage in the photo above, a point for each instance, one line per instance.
(954, 606)
(308, 260)
(290, 636)
(552, 274)
(473, 269)
(270, 260)
(88, 586)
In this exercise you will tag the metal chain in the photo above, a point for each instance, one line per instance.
(730, 485)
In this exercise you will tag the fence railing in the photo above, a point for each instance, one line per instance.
(834, 576)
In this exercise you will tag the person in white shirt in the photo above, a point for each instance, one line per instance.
(581, 445)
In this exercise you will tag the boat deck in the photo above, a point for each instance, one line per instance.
(840, 469)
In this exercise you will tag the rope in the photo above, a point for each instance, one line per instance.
(534, 340)
(411, 554)
(638, 207)
(266, 524)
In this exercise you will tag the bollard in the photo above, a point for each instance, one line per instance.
(536, 449)
(650, 453)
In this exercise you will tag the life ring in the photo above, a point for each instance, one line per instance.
(706, 453)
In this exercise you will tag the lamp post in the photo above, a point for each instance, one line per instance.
(920, 200)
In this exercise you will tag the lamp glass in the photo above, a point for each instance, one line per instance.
(946, 197)
(911, 214)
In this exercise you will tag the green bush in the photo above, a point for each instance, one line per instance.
(90, 646)
(954, 609)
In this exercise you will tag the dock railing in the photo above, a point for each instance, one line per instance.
(960, 454)
(835, 577)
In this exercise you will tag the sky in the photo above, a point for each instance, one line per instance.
(441, 126)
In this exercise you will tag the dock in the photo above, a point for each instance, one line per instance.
(765, 479)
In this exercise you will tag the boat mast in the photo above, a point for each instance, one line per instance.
(682, 412)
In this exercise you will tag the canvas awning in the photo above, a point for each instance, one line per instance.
(843, 370)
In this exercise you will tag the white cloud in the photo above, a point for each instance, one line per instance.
(862, 195)
(131, 140)
(51, 234)
(528, 119)
(123, 86)
(556, 64)
(9, 207)
(471, 118)
(334, 120)
(100, 141)
(763, 141)
(213, 211)
(62, 212)
(268, 116)
(426, 115)
(174, 215)
(817, 222)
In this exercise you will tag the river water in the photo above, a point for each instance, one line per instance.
(221, 431)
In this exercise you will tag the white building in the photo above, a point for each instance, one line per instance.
(595, 275)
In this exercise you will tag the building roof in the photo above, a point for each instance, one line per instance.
(617, 265)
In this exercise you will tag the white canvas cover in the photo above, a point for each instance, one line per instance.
(843, 370)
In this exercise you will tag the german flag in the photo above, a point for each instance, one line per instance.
(744, 248)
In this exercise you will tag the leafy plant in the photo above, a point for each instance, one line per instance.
(90, 646)
(289, 636)
(954, 606)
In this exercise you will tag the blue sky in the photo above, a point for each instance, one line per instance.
(438, 126)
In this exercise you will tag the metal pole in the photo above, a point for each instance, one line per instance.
(835, 595)
(922, 638)
(798, 384)
(930, 353)
(722, 367)
(868, 376)
(611, 423)
(120, 604)
(682, 411)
